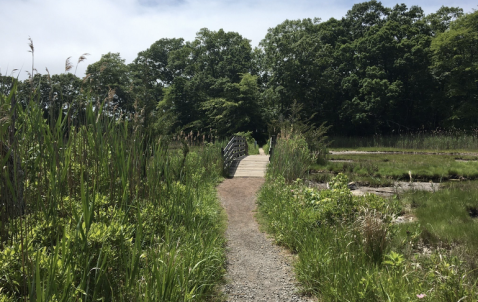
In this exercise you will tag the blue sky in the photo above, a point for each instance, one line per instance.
(63, 28)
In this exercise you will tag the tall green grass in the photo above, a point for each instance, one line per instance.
(349, 249)
(291, 157)
(110, 214)
(398, 166)
(266, 147)
(436, 140)
(448, 217)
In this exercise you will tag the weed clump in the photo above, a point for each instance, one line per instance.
(291, 158)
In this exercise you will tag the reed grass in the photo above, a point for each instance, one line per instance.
(439, 140)
(110, 214)
(349, 249)
(291, 157)
(422, 167)
(449, 216)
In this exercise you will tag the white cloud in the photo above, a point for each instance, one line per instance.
(60, 29)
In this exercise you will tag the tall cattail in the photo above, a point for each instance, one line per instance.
(68, 65)
(32, 50)
(81, 59)
(48, 74)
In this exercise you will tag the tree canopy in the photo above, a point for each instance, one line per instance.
(375, 70)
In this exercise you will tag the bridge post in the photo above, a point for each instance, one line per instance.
(272, 144)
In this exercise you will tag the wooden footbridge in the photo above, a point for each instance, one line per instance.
(237, 162)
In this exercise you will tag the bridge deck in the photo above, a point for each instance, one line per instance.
(250, 166)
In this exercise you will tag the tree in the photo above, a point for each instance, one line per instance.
(363, 16)
(389, 87)
(109, 80)
(441, 20)
(220, 54)
(151, 73)
(299, 66)
(204, 70)
(180, 107)
(238, 110)
(455, 66)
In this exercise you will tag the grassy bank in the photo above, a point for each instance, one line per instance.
(401, 166)
(427, 141)
(106, 213)
(349, 248)
(448, 217)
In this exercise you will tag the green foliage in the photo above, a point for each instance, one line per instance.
(337, 203)
(291, 158)
(376, 70)
(108, 79)
(368, 72)
(358, 254)
(399, 166)
(211, 85)
(297, 121)
(441, 20)
(452, 140)
(238, 111)
(448, 213)
(109, 214)
(456, 68)
(150, 74)
(252, 145)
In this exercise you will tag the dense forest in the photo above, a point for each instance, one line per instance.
(377, 70)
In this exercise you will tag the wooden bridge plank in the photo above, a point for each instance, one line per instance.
(250, 166)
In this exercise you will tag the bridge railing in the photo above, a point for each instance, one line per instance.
(235, 148)
(272, 144)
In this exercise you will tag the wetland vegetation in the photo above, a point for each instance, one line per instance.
(354, 248)
(108, 181)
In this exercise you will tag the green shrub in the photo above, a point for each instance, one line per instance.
(291, 158)
(348, 248)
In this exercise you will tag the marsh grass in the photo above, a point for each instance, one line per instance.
(439, 140)
(348, 249)
(109, 213)
(448, 216)
(397, 167)
(292, 158)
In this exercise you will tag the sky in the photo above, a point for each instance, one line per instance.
(63, 28)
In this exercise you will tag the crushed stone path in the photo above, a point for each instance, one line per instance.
(257, 270)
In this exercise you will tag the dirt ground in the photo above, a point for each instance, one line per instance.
(257, 270)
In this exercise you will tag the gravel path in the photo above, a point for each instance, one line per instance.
(257, 270)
